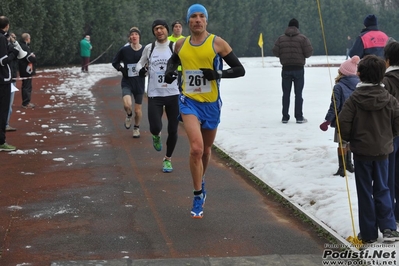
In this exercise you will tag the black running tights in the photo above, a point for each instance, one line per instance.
(156, 107)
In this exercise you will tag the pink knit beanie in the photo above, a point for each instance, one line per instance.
(349, 67)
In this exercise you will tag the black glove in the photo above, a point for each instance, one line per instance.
(170, 76)
(143, 72)
(123, 71)
(210, 74)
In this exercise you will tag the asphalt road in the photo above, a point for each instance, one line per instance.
(86, 193)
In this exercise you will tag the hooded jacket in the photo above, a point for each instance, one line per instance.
(342, 90)
(391, 81)
(292, 48)
(369, 120)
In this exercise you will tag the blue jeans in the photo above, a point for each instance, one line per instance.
(296, 76)
(374, 199)
(11, 102)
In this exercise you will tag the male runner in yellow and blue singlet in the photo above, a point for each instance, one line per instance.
(200, 56)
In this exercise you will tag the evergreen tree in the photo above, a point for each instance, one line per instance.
(56, 27)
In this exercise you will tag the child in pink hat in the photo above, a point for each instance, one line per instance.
(345, 84)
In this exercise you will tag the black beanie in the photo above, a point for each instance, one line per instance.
(293, 22)
(370, 20)
(159, 22)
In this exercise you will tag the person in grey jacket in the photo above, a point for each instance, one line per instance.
(293, 48)
(369, 120)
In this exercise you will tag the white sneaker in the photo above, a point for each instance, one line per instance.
(128, 122)
(301, 121)
(10, 128)
(136, 132)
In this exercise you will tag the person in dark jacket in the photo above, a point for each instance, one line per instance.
(391, 82)
(369, 120)
(370, 41)
(14, 72)
(293, 48)
(345, 85)
(6, 56)
(26, 71)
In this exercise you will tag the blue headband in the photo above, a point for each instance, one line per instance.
(196, 8)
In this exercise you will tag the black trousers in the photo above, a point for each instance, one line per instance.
(26, 91)
(5, 94)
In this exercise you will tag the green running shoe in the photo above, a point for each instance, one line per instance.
(7, 147)
(156, 142)
(167, 166)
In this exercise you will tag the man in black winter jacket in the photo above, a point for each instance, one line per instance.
(293, 48)
(26, 71)
(6, 56)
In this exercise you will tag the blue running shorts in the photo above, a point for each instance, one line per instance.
(208, 114)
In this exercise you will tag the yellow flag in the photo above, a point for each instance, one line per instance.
(260, 42)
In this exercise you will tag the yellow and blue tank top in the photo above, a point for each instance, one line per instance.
(194, 57)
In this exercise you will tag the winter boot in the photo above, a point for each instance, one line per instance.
(349, 164)
(341, 170)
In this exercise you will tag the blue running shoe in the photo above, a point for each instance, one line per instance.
(197, 210)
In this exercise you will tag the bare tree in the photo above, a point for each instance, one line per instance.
(385, 4)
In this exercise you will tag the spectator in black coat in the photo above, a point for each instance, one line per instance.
(26, 71)
(6, 56)
(14, 73)
(293, 48)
